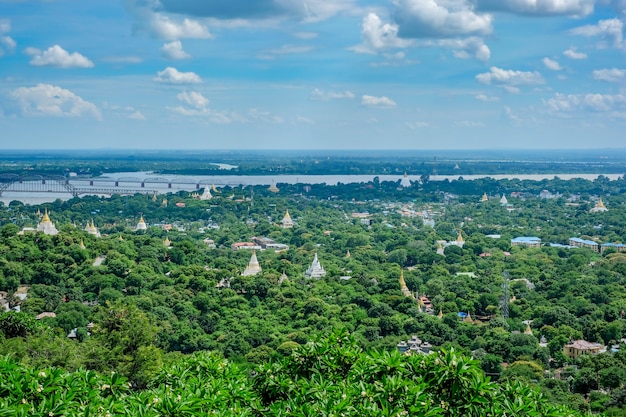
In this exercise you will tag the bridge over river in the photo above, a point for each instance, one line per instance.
(81, 186)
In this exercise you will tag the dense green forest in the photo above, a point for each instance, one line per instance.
(151, 311)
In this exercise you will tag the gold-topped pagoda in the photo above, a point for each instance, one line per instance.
(141, 225)
(287, 222)
(484, 198)
(599, 207)
(46, 226)
(273, 188)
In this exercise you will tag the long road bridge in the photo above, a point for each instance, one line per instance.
(81, 186)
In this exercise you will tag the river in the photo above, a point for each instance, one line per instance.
(191, 182)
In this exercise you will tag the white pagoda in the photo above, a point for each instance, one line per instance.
(273, 188)
(316, 270)
(46, 226)
(503, 200)
(141, 225)
(206, 195)
(253, 266)
(405, 181)
(92, 229)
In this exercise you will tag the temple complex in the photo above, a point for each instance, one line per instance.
(253, 266)
(92, 229)
(46, 226)
(316, 270)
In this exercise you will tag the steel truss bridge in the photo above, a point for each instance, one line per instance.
(82, 186)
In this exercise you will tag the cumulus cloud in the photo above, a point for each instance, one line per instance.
(575, 8)
(551, 64)
(377, 36)
(174, 50)
(565, 103)
(167, 28)
(7, 44)
(440, 19)
(55, 56)
(509, 78)
(609, 31)
(373, 101)
(318, 94)
(171, 75)
(572, 53)
(613, 75)
(51, 100)
(194, 99)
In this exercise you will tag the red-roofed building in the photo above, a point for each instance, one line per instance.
(580, 347)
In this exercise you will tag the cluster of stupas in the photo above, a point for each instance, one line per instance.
(92, 229)
(316, 270)
(46, 226)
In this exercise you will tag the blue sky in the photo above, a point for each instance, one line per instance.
(312, 74)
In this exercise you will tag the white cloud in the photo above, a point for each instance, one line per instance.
(171, 75)
(50, 100)
(377, 36)
(372, 101)
(7, 44)
(484, 97)
(174, 50)
(509, 78)
(572, 53)
(439, 19)
(166, 28)
(472, 47)
(611, 75)
(562, 103)
(304, 120)
(551, 64)
(610, 31)
(265, 116)
(285, 50)
(306, 35)
(137, 115)
(55, 56)
(194, 99)
(417, 125)
(509, 115)
(469, 123)
(318, 94)
(575, 8)
(310, 10)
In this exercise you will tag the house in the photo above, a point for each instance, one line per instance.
(576, 348)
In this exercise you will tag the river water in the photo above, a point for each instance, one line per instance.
(191, 182)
